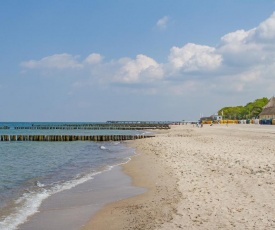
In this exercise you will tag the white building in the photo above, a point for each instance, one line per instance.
(216, 117)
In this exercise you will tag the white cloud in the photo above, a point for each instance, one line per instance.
(249, 48)
(243, 60)
(192, 57)
(162, 22)
(237, 37)
(239, 49)
(94, 58)
(142, 68)
(265, 32)
(56, 61)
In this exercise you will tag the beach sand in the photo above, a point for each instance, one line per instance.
(215, 177)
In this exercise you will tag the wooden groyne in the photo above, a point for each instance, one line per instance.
(72, 137)
(97, 126)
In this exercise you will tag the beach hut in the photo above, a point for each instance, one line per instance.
(268, 112)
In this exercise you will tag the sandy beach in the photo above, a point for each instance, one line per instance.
(215, 177)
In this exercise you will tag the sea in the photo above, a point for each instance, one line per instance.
(30, 171)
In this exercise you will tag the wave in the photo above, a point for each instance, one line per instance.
(32, 192)
(28, 204)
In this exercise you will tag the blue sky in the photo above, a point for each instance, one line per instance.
(133, 60)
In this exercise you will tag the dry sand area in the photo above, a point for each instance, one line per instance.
(215, 177)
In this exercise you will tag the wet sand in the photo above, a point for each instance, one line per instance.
(215, 177)
(71, 209)
(139, 211)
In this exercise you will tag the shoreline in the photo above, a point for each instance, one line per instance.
(215, 177)
(150, 209)
(71, 209)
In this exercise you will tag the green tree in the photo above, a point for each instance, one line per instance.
(250, 110)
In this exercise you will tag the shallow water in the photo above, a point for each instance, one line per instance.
(30, 172)
(71, 209)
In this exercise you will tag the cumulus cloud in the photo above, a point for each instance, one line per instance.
(56, 61)
(244, 59)
(239, 49)
(192, 57)
(252, 47)
(94, 58)
(142, 68)
(265, 32)
(162, 22)
(62, 61)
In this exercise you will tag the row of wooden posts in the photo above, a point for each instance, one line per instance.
(99, 127)
(71, 137)
(93, 128)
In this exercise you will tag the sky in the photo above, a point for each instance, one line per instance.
(164, 60)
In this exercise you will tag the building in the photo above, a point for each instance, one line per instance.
(205, 119)
(268, 111)
(214, 117)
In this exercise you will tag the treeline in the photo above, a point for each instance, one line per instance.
(249, 111)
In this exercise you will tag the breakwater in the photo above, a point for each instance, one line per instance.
(97, 126)
(72, 137)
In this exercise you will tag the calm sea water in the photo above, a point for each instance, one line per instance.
(32, 171)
